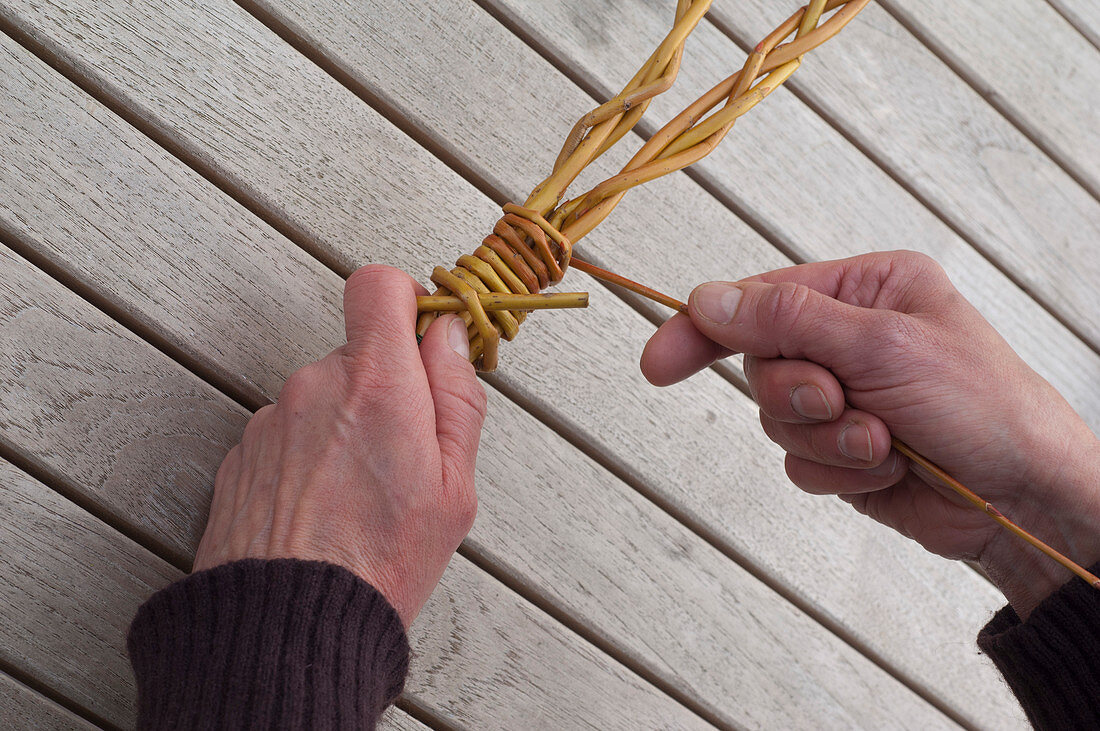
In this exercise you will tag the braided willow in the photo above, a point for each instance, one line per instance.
(531, 245)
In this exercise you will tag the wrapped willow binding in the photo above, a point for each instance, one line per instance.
(531, 245)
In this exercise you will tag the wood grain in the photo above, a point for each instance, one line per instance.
(44, 323)
(525, 686)
(69, 586)
(21, 707)
(1084, 15)
(603, 555)
(909, 110)
(1032, 61)
(769, 650)
(82, 397)
(396, 720)
(827, 571)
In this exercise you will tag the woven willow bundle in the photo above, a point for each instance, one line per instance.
(531, 245)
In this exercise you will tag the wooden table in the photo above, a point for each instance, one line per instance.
(184, 186)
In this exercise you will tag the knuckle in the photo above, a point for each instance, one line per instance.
(919, 263)
(785, 304)
(302, 383)
(459, 506)
(465, 512)
(464, 409)
(371, 384)
(365, 276)
(910, 268)
(895, 335)
(256, 424)
(773, 430)
(476, 400)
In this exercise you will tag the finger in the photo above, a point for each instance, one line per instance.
(678, 350)
(819, 479)
(794, 390)
(380, 315)
(783, 320)
(906, 281)
(223, 505)
(855, 439)
(457, 393)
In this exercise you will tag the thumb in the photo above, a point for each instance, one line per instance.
(457, 393)
(785, 320)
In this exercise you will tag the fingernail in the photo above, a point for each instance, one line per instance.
(855, 442)
(716, 301)
(456, 336)
(887, 467)
(809, 402)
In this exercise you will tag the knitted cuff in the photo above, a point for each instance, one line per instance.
(280, 643)
(1052, 661)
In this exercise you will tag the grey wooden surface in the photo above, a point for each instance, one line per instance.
(1084, 15)
(1032, 65)
(21, 707)
(189, 197)
(692, 475)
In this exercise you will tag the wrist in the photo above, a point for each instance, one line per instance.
(1060, 505)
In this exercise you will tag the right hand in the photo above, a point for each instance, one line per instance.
(888, 334)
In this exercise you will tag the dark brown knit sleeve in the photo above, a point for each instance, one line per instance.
(267, 644)
(1052, 661)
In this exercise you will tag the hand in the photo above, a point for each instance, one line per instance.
(889, 335)
(367, 459)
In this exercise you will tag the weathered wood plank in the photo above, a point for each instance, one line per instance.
(21, 707)
(745, 521)
(605, 556)
(1029, 59)
(639, 611)
(57, 347)
(397, 720)
(1084, 15)
(907, 108)
(782, 162)
(583, 559)
(70, 586)
(523, 655)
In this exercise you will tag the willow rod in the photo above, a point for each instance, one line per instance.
(987, 507)
(914, 456)
(497, 302)
(530, 246)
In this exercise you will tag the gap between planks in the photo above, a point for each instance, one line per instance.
(796, 88)
(527, 591)
(269, 215)
(1004, 108)
(440, 149)
(1077, 22)
(35, 686)
(425, 716)
(252, 402)
(645, 129)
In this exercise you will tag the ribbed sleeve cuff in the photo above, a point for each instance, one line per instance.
(1052, 661)
(273, 644)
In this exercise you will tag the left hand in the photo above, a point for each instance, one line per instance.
(367, 460)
